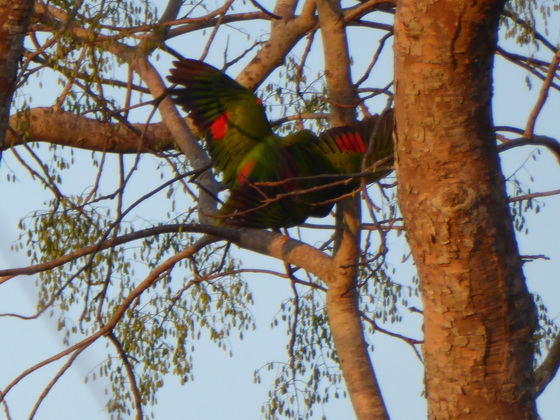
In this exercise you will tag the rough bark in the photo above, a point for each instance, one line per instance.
(479, 317)
(342, 297)
(14, 20)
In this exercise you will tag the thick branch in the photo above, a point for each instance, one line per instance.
(342, 297)
(285, 34)
(69, 129)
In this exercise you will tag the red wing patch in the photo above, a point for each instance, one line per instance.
(219, 127)
(244, 173)
(360, 145)
(350, 142)
(343, 142)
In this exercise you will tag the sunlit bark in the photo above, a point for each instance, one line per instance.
(479, 317)
(342, 297)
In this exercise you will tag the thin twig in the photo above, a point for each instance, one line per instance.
(550, 143)
(54, 381)
(410, 341)
(534, 195)
(543, 94)
(141, 288)
(130, 373)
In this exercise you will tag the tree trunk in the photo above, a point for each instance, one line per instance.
(479, 317)
(14, 19)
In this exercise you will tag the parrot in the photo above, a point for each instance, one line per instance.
(274, 181)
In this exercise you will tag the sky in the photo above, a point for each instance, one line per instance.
(223, 386)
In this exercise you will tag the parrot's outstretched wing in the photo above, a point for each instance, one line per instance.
(366, 145)
(228, 115)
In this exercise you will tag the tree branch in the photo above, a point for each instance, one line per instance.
(534, 195)
(550, 143)
(264, 242)
(285, 34)
(68, 129)
(342, 296)
(548, 369)
(543, 95)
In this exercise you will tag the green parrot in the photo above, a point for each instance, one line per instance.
(274, 181)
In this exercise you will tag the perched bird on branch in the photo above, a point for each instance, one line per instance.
(276, 181)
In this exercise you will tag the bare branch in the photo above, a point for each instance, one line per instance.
(68, 129)
(410, 341)
(534, 195)
(342, 298)
(531, 65)
(548, 369)
(375, 58)
(130, 373)
(368, 7)
(51, 384)
(543, 94)
(196, 24)
(262, 9)
(215, 29)
(552, 144)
